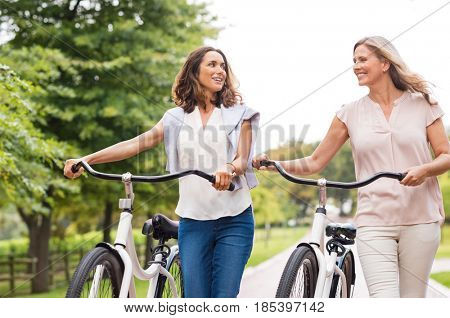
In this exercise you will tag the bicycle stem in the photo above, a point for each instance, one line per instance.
(322, 192)
(129, 194)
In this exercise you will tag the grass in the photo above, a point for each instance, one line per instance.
(442, 277)
(279, 240)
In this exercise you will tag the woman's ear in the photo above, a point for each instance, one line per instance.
(386, 65)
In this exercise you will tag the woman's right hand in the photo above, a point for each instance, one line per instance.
(256, 162)
(68, 169)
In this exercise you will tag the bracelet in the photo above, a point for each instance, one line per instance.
(232, 166)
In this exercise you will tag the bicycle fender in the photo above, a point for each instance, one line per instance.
(111, 248)
(310, 247)
(307, 245)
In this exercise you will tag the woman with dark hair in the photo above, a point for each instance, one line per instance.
(213, 131)
(390, 129)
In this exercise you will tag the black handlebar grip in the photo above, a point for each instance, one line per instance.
(76, 167)
(265, 163)
(402, 176)
(230, 188)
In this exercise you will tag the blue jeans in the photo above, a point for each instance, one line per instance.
(214, 253)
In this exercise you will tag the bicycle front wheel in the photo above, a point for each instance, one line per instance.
(163, 289)
(99, 275)
(299, 277)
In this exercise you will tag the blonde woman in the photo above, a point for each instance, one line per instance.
(390, 129)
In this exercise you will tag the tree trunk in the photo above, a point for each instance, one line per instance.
(39, 231)
(40, 282)
(107, 222)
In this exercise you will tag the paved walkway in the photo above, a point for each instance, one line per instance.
(437, 290)
(262, 281)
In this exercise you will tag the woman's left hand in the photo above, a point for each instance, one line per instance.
(414, 176)
(223, 178)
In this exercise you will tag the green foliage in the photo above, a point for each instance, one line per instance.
(105, 71)
(26, 155)
(267, 207)
(444, 182)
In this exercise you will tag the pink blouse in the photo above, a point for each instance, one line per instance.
(393, 146)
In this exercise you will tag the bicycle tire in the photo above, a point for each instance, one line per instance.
(111, 279)
(347, 266)
(301, 268)
(163, 289)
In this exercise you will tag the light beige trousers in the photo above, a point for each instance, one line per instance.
(397, 260)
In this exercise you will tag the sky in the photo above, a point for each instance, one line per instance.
(293, 59)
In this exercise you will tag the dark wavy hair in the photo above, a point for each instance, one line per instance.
(187, 92)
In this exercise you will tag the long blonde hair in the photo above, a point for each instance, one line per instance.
(402, 77)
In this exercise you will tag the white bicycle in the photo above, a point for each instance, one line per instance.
(308, 273)
(108, 271)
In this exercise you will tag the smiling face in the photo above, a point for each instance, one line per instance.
(212, 72)
(368, 68)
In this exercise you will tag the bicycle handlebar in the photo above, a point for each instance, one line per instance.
(147, 179)
(331, 184)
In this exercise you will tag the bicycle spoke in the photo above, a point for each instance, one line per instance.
(176, 274)
(339, 289)
(98, 274)
(98, 284)
(299, 283)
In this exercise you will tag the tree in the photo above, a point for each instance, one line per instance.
(107, 68)
(123, 57)
(27, 161)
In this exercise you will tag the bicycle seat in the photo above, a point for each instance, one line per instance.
(162, 228)
(345, 233)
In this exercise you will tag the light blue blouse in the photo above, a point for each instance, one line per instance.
(232, 120)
